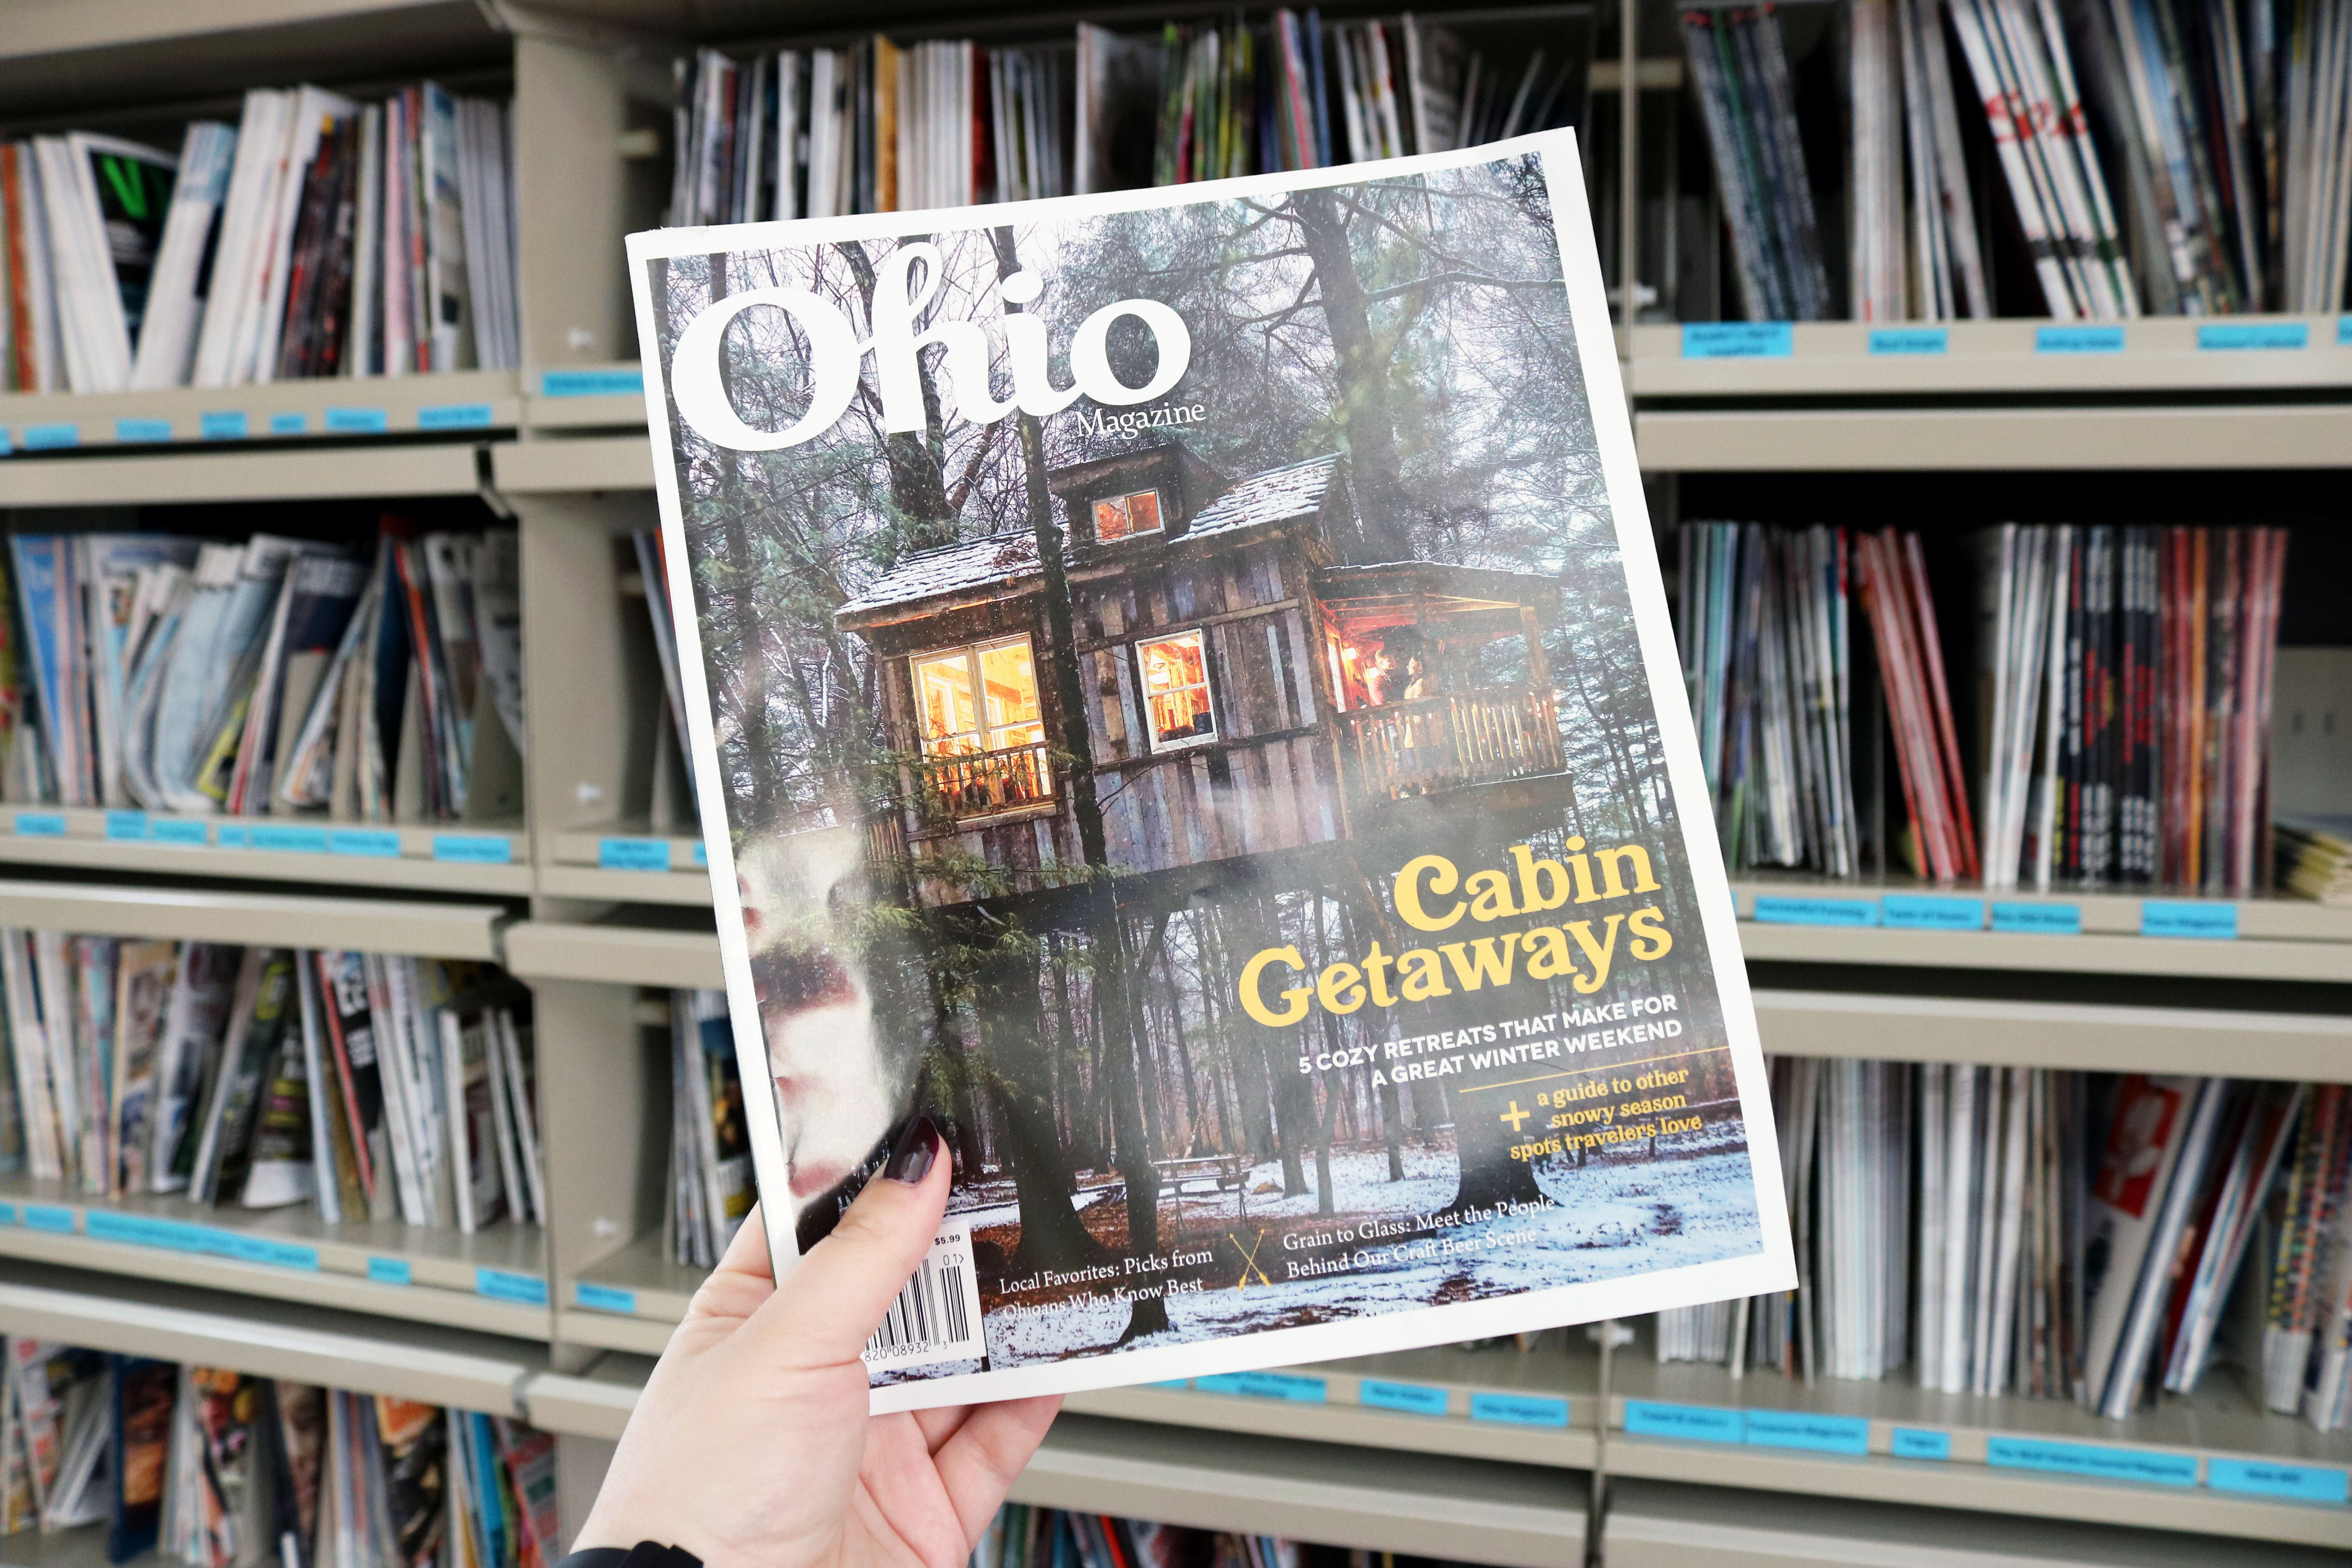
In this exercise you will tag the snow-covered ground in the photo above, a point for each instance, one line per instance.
(1614, 1220)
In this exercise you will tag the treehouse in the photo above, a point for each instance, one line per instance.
(1245, 691)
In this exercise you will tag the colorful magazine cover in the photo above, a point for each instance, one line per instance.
(1181, 693)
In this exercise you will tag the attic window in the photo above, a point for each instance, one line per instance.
(1176, 690)
(1121, 516)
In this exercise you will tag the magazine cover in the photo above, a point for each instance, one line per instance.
(1181, 693)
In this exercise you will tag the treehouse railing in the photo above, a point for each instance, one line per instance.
(985, 784)
(1434, 743)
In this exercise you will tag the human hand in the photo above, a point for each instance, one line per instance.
(751, 1446)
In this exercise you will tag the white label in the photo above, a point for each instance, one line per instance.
(936, 1317)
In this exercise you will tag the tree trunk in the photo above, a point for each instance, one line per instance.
(1363, 368)
(1014, 1028)
(917, 487)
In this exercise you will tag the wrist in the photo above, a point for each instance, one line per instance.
(643, 1554)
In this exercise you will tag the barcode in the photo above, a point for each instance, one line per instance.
(937, 1316)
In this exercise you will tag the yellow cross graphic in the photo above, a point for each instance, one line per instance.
(1249, 1260)
(1515, 1117)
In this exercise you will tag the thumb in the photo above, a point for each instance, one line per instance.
(828, 1307)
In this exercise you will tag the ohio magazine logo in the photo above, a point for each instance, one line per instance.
(835, 353)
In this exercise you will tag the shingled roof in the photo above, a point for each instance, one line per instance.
(1294, 489)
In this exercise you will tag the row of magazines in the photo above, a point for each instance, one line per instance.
(318, 237)
(1023, 1536)
(878, 127)
(2163, 157)
(367, 1086)
(278, 675)
(2069, 1236)
(2117, 728)
(217, 1468)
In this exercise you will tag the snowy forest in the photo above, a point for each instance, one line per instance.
(1078, 1024)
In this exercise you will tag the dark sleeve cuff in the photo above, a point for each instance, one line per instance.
(643, 1554)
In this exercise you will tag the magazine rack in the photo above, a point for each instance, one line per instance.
(601, 905)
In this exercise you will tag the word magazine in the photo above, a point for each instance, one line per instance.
(1180, 693)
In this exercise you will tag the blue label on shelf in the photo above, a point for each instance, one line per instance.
(633, 854)
(7, 441)
(1910, 340)
(223, 424)
(1699, 1423)
(2176, 917)
(454, 416)
(2254, 335)
(289, 424)
(591, 383)
(526, 1289)
(232, 836)
(1932, 911)
(1814, 1433)
(1413, 1398)
(604, 1297)
(1518, 1409)
(1265, 1385)
(8, 1215)
(357, 421)
(40, 825)
(1918, 1443)
(375, 843)
(287, 840)
(2270, 1477)
(1739, 340)
(2037, 920)
(2096, 1459)
(2078, 341)
(477, 849)
(1171, 1383)
(127, 826)
(263, 1250)
(216, 1241)
(389, 1270)
(174, 830)
(131, 431)
(48, 1216)
(2344, 331)
(50, 437)
(701, 856)
(1773, 910)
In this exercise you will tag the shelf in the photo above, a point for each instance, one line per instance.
(1671, 1524)
(494, 1281)
(2293, 436)
(271, 919)
(446, 857)
(2153, 354)
(307, 1344)
(574, 464)
(614, 955)
(624, 862)
(2087, 1037)
(334, 409)
(629, 1301)
(587, 397)
(2218, 1422)
(1430, 1505)
(390, 469)
(1816, 920)
(593, 1404)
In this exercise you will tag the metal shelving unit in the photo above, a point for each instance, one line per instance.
(440, 858)
(334, 409)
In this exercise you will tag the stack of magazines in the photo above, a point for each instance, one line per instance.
(710, 1147)
(318, 237)
(2057, 1234)
(278, 674)
(215, 1468)
(1740, 73)
(2314, 858)
(878, 127)
(369, 1086)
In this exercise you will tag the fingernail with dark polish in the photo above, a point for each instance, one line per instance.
(911, 1156)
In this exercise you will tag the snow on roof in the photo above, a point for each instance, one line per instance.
(1294, 489)
(1278, 495)
(927, 574)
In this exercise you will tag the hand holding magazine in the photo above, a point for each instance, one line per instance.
(1180, 693)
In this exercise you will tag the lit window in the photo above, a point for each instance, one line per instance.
(1176, 690)
(979, 698)
(1123, 515)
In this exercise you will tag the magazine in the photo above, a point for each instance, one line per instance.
(1182, 693)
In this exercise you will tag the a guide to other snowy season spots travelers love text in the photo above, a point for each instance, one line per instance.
(1180, 691)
